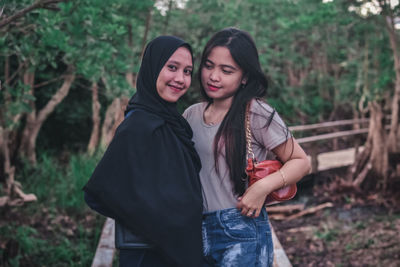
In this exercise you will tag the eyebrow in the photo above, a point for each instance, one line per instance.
(178, 63)
(222, 65)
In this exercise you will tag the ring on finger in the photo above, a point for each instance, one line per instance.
(250, 212)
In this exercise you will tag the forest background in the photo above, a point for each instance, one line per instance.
(68, 68)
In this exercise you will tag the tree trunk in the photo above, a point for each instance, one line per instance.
(131, 79)
(29, 78)
(168, 15)
(375, 157)
(379, 152)
(35, 121)
(146, 30)
(129, 76)
(293, 80)
(114, 116)
(393, 141)
(94, 137)
(9, 170)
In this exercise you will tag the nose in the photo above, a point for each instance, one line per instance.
(179, 77)
(214, 76)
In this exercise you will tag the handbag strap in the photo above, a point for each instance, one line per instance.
(250, 154)
(251, 160)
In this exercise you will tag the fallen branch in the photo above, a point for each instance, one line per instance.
(3, 201)
(21, 197)
(21, 194)
(363, 174)
(302, 229)
(277, 217)
(310, 211)
(284, 209)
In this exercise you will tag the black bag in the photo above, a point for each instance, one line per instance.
(125, 239)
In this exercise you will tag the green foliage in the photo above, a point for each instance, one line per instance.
(313, 52)
(58, 251)
(327, 234)
(57, 185)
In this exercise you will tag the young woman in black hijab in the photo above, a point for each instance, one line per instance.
(148, 179)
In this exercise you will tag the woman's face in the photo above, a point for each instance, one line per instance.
(221, 77)
(176, 75)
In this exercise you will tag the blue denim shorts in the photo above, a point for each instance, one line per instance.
(231, 239)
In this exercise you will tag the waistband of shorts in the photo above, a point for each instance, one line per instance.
(232, 213)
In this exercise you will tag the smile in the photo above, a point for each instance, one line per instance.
(176, 88)
(213, 87)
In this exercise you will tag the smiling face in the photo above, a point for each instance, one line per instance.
(221, 77)
(176, 75)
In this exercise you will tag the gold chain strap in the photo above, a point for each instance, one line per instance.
(250, 153)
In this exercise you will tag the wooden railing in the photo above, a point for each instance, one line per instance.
(331, 131)
(330, 124)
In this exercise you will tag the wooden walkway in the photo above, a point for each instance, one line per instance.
(105, 249)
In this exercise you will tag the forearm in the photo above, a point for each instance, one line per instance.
(291, 172)
(296, 166)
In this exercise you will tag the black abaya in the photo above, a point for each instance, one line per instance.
(148, 177)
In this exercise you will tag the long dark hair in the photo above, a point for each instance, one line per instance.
(232, 130)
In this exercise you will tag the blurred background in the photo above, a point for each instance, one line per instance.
(68, 68)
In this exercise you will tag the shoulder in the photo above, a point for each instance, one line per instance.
(194, 109)
(262, 113)
(261, 108)
(140, 123)
(267, 127)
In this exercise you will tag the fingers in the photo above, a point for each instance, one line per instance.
(248, 209)
(250, 213)
(254, 213)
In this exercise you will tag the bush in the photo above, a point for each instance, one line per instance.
(59, 229)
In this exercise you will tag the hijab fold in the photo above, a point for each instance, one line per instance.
(148, 176)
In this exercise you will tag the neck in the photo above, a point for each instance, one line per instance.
(222, 104)
(216, 112)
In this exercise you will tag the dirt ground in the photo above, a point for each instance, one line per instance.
(355, 231)
(358, 230)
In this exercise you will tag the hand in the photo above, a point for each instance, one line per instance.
(253, 199)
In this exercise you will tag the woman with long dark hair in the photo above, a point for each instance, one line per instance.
(148, 178)
(235, 224)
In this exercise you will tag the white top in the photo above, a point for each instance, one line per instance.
(218, 190)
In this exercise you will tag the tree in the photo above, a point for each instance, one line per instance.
(44, 52)
(373, 164)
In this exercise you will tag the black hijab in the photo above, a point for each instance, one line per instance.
(148, 177)
(155, 56)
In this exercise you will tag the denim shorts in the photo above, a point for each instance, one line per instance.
(231, 239)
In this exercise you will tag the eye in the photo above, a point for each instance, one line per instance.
(208, 66)
(188, 72)
(172, 67)
(227, 71)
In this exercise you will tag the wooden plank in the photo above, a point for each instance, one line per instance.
(280, 257)
(326, 124)
(337, 159)
(331, 135)
(106, 247)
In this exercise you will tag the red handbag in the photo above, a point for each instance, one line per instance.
(259, 170)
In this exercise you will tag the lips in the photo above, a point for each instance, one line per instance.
(176, 88)
(213, 87)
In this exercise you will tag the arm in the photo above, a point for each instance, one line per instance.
(296, 165)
